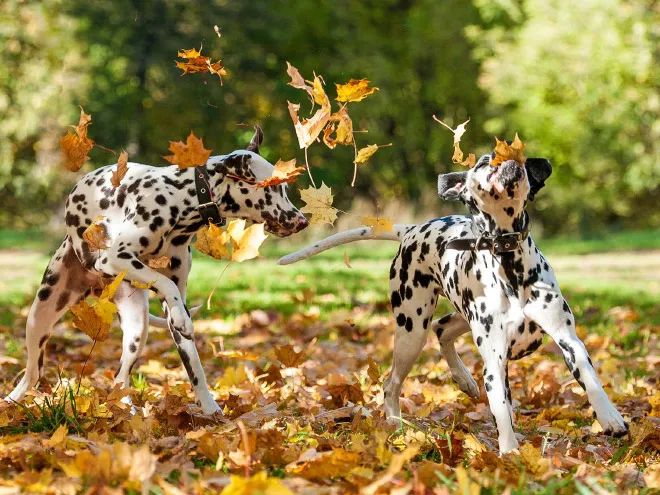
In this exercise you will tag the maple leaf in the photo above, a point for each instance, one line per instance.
(364, 154)
(505, 151)
(194, 62)
(308, 130)
(288, 356)
(159, 263)
(283, 172)
(212, 240)
(378, 224)
(95, 317)
(189, 154)
(341, 124)
(319, 204)
(96, 235)
(76, 145)
(119, 172)
(354, 90)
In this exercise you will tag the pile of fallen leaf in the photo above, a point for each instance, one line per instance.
(302, 398)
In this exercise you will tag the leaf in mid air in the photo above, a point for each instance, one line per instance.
(354, 90)
(121, 169)
(95, 317)
(283, 172)
(194, 62)
(76, 145)
(318, 202)
(505, 151)
(364, 154)
(189, 154)
(341, 125)
(458, 156)
(236, 243)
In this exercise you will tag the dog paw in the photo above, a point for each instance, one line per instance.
(181, 323)
(613, 423)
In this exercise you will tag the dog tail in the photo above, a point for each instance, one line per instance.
(345, 237)
(158, 322)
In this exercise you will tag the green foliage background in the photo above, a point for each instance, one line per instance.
(575, 79)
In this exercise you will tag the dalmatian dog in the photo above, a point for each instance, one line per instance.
(501, 286)
(154, 212)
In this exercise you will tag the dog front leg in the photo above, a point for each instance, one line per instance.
(551, 312)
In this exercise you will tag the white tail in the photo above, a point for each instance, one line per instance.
(359, 234)
(158, 322)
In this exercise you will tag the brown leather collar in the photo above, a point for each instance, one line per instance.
(207, 208)
(495, 244)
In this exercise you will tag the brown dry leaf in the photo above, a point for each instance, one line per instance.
(297, 81)
(458, 156)
(354, 90)
(96, 235)
(159, 263)
(308, 130)
(367, 152)
(505, 151)
(121, 169)
(396, 465)
(189, 154)
(76, 146)
(379, 225)
(318, 202)
(288, 356)
(95, 317)
(341, 125)
(322, 465)
(347, 260)
(194, 62)
(283, 173)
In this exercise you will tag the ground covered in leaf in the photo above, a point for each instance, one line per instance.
(302, 399)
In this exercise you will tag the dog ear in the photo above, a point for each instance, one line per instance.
(538, 170)
(450, 185)
(256, 140)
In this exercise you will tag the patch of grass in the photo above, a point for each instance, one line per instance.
(629, 240)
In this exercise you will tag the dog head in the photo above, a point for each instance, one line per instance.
(499, 191)
(238, 196)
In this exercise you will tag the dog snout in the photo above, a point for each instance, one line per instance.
(511, 172)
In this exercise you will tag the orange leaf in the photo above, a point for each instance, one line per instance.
(159, 263)
(120, 171)
(76, 146)
(189, 154)
(96, 235)
(194, 62)
(340, 122)
(378, 224)
(283, 172)
(505, 151)
(354, 90)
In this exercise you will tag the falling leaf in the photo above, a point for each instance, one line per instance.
(217, 31)
(159, 263)
(347, 260)
(236, 243)
(308, 130)
(283, 172)
(318, 202)
(379, 225)
(260, 484)
(458, 156)
(341, 125)
(121, 169)
(194, 62)
(297, 81)
(354, 90)
(96, 235)
(505, 151)
(189, 154)
(76, 145)
(364, 154)
(95, 317)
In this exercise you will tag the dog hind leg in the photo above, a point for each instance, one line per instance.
(448, 329)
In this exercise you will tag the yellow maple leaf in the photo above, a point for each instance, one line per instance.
(247, 247)
(378, 224)
(505, 151)
(194, 62)
(534, 460)
(244, 242)
(341, 125)
(189, 154)
(354, 90)
(364, 154)
(76, 145)
(122, 167)
(159, 263)
(96, 235)
(260, 484)
(58, 437)
(319, 204)
(283, 172)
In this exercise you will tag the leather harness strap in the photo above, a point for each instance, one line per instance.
(495, 244)
(207, 208)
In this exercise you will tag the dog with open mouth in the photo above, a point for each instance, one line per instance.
(154, 212)
(501, 287)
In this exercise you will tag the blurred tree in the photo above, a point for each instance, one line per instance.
(579, 81)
